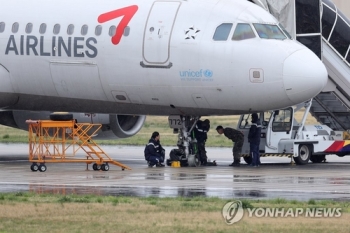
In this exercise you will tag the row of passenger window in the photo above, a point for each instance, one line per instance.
(244, 31)
(57, 28)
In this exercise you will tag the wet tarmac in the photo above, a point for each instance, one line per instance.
(275, 178)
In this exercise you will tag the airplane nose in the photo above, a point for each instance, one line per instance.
(304, 76)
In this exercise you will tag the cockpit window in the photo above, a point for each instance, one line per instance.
(268, 31)
(222, 32)
(243, 31)
(285, 31)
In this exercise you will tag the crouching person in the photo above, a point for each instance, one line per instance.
(154, 152)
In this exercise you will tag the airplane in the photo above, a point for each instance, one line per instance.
(122, 60)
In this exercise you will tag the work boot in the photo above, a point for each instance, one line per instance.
(159, 165)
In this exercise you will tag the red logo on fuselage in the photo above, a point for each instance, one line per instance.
(126, 12)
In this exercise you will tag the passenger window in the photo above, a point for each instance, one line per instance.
(2, 27)
(126, 31)
(243, 31)
(112, 31)
(84, 30)
(56, 29)
(15, 27)
(98, 30)
(269, 31)
(42, 28)
(70, 29)
(29, 28)
(222, 32)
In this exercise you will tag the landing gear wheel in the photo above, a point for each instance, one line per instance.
(304, 154)
(317, 158)
(96, 167)
(248, 159)
(105, 167)
(193, 161)
(34, 167)
(42, 168)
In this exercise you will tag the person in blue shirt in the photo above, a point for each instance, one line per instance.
(154, 152)
(254, 139)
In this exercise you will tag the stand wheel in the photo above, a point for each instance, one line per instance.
(34, 167)
(105, 167)
(96, 167)
(42, 168)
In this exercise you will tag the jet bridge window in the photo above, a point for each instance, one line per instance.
(268, 31)
(2, 27)
(15, 27)
(340, 38)
(243, 31)
(222, 32)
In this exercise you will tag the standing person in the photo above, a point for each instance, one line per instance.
(254, 139)
(154, 152)
(238, 138)
(200, 131)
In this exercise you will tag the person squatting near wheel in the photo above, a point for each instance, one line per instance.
(154, 152)
(238, 138)
(200, 132)
(254, 140)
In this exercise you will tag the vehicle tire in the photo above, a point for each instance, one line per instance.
(248, 159)
(304, 154)
(34, 167)
(193, 161)
(317, 158)
(42, 168)
(61, 116)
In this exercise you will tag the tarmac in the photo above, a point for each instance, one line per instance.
(275, 178)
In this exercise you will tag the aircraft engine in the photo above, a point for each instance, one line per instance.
(113, 126)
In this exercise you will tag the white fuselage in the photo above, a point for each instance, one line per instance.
(166, 62)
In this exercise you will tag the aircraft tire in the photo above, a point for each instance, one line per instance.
(34, 167)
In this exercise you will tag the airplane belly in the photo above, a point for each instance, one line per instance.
(77, 80)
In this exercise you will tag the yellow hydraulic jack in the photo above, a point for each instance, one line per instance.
(59, 142)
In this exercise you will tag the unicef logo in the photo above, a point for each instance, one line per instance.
(208, 73)
(232, 212)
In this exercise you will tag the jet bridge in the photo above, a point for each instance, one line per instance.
(327, 33)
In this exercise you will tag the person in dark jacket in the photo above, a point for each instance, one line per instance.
(154, 152)
(238, 138)
(254, 139)
(200, 132)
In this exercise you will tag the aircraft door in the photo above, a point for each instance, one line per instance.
(157, 34)
(280, 127)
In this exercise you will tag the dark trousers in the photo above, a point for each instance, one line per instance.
(237, 150)
(153, 160)
(254, 152)
(202, 152)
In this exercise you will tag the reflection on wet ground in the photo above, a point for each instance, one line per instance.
(274, 179)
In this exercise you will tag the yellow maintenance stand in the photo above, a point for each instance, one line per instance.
(59, 141)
